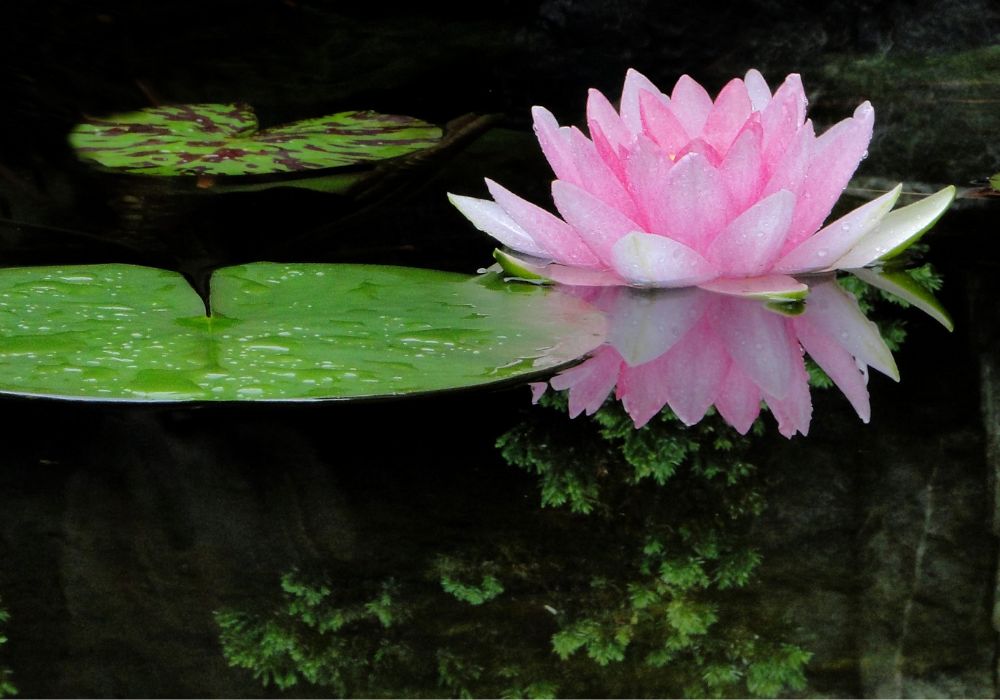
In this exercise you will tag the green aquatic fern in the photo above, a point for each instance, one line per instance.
(7, 687)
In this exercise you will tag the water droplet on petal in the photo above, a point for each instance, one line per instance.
(822, 253)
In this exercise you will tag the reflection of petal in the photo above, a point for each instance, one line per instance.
(642, 390)
(837, 362)
(591, 382)
(836, 313)
(645, 324)
(692, 348)
(793, 410)
(757, 340)
(738, 401)
(693, 372)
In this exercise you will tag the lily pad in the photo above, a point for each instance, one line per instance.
(278, 332)
(224, 139)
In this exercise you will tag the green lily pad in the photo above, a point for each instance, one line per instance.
(995, 182)
(223, 139)
(278, 332)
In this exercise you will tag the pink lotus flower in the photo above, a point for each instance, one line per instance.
(693, 349)
(729, 194)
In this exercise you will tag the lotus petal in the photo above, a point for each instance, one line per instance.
(729, 113)
(646, 259)
(898, 230)
(738, 401)
(836, 155)
(489, 217)
(691, 104)
(832, 242)
(748, 246)
(557, 239)
(775, 288)
(635, 84)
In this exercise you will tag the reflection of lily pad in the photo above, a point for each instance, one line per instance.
(277, 332)
(217, 139)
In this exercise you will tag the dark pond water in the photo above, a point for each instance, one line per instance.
(474, 544)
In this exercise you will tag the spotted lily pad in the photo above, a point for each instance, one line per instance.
(224, 139)
(277, 332)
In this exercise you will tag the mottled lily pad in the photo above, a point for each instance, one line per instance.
(278, 332)
(224, 139)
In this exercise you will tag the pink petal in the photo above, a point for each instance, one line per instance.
(835, 312)
(642, 389)
(636, 83)
(703, 148)
(837, 362)
(555, 144)
(596, 177)
(611, 156)
(555, 236)
(742, 168)
(537, 391)
(738, 401)
(898, 230)
(693, 373)
(581, 277)
(782, 117)
(757, 89)
(490, 218)
(597, 223)
(591, 382)
(646, 168)
(691, 104)
(729, 114)
(765, 287)
(660, 124)
(821, 250)
(751, 242)
(758, 342)
(794, 410)
(695, 205)
(789, 171)
(650, 260)
(645, 325)
(835, 157)
(602, 114)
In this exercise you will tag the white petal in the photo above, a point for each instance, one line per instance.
(829, 244)
(649, 260)
(898, 230)
(490, 218)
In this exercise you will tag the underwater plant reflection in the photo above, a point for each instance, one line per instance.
(632, 588)
(691, 349)
(7, 688)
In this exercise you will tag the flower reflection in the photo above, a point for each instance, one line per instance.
(692, 349)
